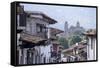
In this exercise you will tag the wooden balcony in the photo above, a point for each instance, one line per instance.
(25, 36)
(53, 37)
(42, 34)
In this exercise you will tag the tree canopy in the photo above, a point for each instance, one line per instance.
(75, 39)
(63, 42)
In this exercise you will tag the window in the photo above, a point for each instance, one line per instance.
(22, 19)
(17, 20)
(44, 59)
(40, 28)
(92, 43)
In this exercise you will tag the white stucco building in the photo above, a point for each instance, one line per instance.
(91, 44)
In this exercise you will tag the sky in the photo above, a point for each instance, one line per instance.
(84, 15)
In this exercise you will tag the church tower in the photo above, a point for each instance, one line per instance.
(78, 24)
(66, 29)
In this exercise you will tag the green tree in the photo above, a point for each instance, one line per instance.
(63, 42)
(75, 39)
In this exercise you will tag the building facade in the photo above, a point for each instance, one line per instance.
(77, 52)
(56, 47)
(34, 43)
(91, 44)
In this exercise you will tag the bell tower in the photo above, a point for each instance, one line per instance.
(66, 29)
(78, 24)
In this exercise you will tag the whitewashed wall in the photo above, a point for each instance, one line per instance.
(91, 53)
